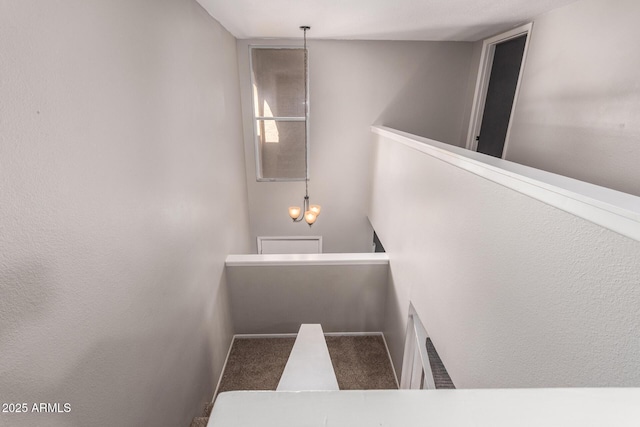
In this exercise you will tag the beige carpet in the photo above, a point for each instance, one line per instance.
(256, 363)
(360, 363)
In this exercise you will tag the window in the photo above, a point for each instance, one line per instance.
(277, 77)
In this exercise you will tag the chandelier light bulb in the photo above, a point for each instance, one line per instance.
(315, 209)
(294, 212)
(310, 217)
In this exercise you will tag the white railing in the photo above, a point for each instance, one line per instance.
(416, 369)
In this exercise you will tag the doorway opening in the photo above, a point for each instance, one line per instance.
(501, 67)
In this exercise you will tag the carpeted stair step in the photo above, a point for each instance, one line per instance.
(204, 419)
(199, 422)
(207, 410)
(359, 363)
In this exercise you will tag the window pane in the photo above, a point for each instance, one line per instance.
(278, 76)
(281, 148)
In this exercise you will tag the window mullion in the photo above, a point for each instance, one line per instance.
(282, 119)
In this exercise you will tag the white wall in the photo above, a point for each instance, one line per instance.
(122, 190)
(512, 291)
(419, 87)
(578, 113)
(446, 408)
(269, 298)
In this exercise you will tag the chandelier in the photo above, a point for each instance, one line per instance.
(308, 212)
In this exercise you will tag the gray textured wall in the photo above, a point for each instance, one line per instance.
(578, 113)
(122, 190)
(512, 291)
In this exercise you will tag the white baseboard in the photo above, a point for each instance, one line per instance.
(242, 336)
(351, 334)
(226, 359)
(393, 368)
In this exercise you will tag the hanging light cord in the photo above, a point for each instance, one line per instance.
(308, 212)
(306, 115)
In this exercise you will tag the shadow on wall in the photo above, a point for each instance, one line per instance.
(595, 155)
(20, 302)
(434, 111)
(105, 378)
(395, 324)
(454, 33)
(100, 387)
(127, 379)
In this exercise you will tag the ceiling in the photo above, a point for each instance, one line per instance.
(459, 20)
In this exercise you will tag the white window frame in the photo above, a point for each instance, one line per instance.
(255, 119)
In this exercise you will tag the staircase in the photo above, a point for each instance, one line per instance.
(308, 368)
(204, 419)
(314, 362)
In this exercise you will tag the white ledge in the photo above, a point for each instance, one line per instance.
(309, 365)
(617, 211)
(417, 408)
(253, 260)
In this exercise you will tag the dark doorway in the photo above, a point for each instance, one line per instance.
(377, 244)
(503, 82)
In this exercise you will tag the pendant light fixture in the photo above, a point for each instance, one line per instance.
(308, 212)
